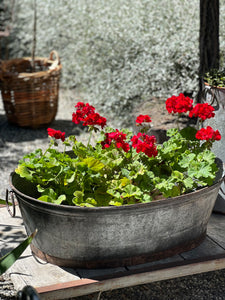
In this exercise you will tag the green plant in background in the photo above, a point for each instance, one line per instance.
(122, 168)
(215, 78)
(8, 260)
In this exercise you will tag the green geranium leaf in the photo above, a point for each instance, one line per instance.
(168, 188)
(131, 191)
(114, 193)
(171, 132)
(91, 201)
(186, 160)
(179, 176)
(60, 199)
(204, 171)
(189, 133)
(124, 181)
(207, 156)
(78, 197)
(94, 164)
(40, 188)
(116, 202)
(24, 172)
(69, 179)
(146, 198)
(188, 183)
(46, 198)
(49, 195)
(102, 197)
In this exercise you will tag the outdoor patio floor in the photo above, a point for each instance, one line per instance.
(53, 282)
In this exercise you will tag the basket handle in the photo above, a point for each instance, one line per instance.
(57, 59)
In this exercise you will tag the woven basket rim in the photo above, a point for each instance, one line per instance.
(53, 66)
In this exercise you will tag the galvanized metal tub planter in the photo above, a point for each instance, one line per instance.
(114, 236)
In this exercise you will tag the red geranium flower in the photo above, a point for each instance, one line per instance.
(78, 117)
(118, 137)
(94, 119)
(86, 113)
(80, 105)
(203, 111)
(179, 104)
(57, 134)
(143, 118)
(145, 143)
(208, 134)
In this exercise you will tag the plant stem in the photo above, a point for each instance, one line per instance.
(89, 140)
(177, 122)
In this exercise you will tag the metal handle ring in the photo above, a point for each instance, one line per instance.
(212, 93)
(10, 194)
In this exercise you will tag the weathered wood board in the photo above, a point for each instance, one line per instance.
(53, 282)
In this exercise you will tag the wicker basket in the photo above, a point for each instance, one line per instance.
(30, 98)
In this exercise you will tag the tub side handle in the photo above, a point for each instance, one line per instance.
(10, 195)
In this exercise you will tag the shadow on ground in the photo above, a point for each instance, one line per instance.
(15, 134)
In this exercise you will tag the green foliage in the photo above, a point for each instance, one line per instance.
(215, 78)
(189, 164)
(101, 177)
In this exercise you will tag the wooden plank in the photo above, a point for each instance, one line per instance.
(93, 273)
(79, 288)
(37, 273)
(173, 259)
(206, 249)
(216, 229)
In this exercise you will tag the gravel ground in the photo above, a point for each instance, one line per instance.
(6, 288)
(206, 286)
(15, 142)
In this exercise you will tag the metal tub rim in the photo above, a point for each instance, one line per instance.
(161, 202)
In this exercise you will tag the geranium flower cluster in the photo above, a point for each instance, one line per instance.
(142, 142)
(57, 134)
(208, 134)
(145, 143)
(203, 111)
(118, 137)
(143, 118)
(86, 113)
(179, 104)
